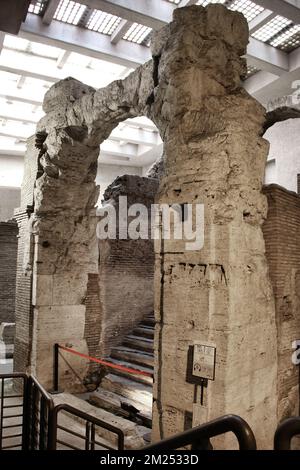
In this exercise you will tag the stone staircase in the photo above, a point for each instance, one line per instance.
(125, 394)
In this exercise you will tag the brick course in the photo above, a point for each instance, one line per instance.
(282, 238)
(8, 261)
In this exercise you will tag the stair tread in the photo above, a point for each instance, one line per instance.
(112, 401)
(130, 365)
(140, 331)
(140, 338)
(132, 350)
(132, 376)
(138, 392)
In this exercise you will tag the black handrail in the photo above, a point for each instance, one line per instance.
(40, 419)
(285, 433)
(199, 437)
(24, 378)
(90, 420)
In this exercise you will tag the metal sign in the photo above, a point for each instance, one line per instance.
(201, 364)
(204, 361)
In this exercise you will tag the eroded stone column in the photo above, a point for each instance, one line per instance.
(58, 249)
(214, 155)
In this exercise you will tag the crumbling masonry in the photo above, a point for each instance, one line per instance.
(213, 155)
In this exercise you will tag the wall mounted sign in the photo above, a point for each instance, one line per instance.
(201, 363)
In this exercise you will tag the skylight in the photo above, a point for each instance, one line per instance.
(268, 31)
(288, 40)
(69, 12)
(137, 33)
(103, 22)
(251, 70)
(249, 9)
(37, 7)
(207, 2)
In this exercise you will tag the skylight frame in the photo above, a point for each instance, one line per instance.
(137, 33)
(276, 25)
(69, 11)
(102, 22)
(37, 8)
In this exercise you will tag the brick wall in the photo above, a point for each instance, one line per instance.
(282, 237)
(8, 264)
(126, 269)
(92, 329)
(24, 309)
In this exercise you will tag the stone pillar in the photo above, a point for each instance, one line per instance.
(61, 232)
(214, 155)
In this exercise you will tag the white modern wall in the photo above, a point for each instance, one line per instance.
(284, 156)
(11, 170)
(108, 173)
(11, 174)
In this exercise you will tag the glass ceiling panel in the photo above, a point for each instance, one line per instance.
(276, 25)
(137, 33)
(69, 12)
(37, 7)
(103, 22)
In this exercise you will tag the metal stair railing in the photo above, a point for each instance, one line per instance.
(38, 426)
(199, 438)
(285, 433)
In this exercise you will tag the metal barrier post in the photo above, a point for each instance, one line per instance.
(55, 368)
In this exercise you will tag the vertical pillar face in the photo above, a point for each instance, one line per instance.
(221, 294)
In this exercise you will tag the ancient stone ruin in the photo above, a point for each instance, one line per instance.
(214, 154)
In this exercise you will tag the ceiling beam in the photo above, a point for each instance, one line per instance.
(20, 81)
(121, 30)
(261, 20)
(266, 87)
(13, 152)
(20, 99)
(154, 14)
(289, 10)
(27, 73)
(2, 36)
(186, 3)
(13, 135)
(61, 61)
(13, 117)
(266, 57)
(84, 41)
(50, 11)
(135, 136)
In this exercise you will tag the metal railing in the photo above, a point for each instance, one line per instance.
(89, 438)
(29, 420)
(285, 433)
(13, 433)
(38, 416)
(39, 424)
(199, 438)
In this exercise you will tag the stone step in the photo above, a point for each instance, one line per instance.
(144, 332)
(142, 344)
(141, 394)
(132, 355)
(133, 432)
(148, 322)
(119, 405)
(136, 377)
